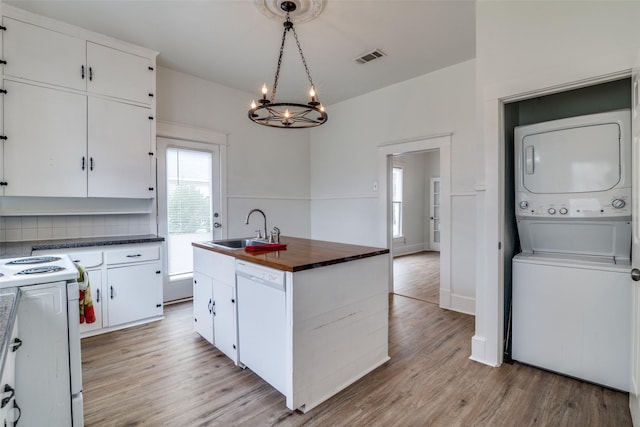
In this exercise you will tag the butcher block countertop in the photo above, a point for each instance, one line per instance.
(300, 254)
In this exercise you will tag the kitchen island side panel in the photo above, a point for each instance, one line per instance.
(337, 318)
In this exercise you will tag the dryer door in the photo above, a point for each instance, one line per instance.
(572, 160)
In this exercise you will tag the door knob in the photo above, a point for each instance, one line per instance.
(217, 225)
(635, 274)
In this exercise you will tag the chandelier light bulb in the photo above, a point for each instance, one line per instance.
(264, 91)
(253, 104)
(287, 114)
(312, 94)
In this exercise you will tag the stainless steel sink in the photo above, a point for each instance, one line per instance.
(236, 243)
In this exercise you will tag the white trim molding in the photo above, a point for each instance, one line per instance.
(440, 142)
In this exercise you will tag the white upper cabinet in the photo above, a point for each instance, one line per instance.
(78, 109)
(118, 74)
(46, 152)
(119, 160)
(42, 55)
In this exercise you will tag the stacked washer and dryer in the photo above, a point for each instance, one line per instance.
(571, 283)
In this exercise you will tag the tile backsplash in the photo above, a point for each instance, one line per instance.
(23, 228)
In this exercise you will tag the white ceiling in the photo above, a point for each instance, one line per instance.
(230, 42)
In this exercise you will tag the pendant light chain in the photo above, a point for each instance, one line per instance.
(304, 62)
(289, 26)
(284, 38)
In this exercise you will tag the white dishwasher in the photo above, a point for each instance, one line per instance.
(262, 322)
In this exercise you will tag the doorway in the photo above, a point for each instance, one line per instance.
(419, 242)
(415, 225)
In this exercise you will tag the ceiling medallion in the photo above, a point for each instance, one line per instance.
(288, 115)
(305, 10)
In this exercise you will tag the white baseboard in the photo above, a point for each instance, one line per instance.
(399, 250)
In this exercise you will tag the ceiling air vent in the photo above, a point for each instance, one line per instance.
(370, 56)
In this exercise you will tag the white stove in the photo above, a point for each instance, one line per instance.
(34, 270)
(48, 363)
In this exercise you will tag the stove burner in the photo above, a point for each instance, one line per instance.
(34, 260)
(41, 270)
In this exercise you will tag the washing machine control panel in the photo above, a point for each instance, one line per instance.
(588, 205)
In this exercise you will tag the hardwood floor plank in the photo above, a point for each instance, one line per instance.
(418, 276)
(164, 374)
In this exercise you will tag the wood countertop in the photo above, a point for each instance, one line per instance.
(300, 254)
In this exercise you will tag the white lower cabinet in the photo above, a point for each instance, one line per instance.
(134, 293)
(126, 285)
(224, 319)
(8, 411)
(214, 300)
(203, 305)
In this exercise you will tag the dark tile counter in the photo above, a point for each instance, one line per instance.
(20, 249)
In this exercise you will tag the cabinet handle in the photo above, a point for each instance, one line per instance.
(3, 137)
(82, 72)
(209, 306)
(4, 91)
(90, 74)
(111, 290)
(16, 344)
(90, 163)
(97, 295)
(158, 305)
(134, 256)
(3, 62)
(6, 399)
(83, 160)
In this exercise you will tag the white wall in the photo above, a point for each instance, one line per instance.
(266, 168)
(524, 47)
(418, 169)
(344, 160)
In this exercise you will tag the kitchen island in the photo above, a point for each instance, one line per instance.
(310, 319)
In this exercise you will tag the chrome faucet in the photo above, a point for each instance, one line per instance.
(246, 221)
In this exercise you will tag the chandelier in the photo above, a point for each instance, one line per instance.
(269, 112)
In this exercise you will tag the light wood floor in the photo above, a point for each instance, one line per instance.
(164, 374)
(418, 276)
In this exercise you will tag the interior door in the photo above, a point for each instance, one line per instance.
(634, 394)
(434, 215)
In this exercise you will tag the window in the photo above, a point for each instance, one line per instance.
(396, 198)
(189, 207)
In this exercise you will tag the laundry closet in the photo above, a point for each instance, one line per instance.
(567, 192)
